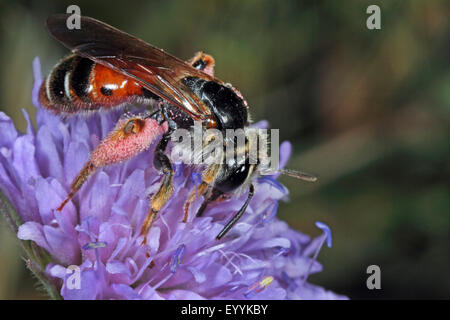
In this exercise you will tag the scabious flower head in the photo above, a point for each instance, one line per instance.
(97, 232)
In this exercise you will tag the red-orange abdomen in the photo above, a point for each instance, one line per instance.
(77, 84)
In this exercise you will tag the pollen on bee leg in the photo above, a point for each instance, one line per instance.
(129, 137)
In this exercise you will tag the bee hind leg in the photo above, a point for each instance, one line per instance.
(80, 179)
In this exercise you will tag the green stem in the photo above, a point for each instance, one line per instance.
(36, 257)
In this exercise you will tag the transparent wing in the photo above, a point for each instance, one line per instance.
(155, 69)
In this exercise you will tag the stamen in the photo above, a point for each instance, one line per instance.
(325, 237)
(176, 258)
(229, 261)
(258, 287)
(326, 230)
(178, 169)
(196, 178)
(90, 234)
(169, 235)
(270, 212)
(241, 255)
(116, 185)
(211, 249)
(133, 264)
(94, 245)
(156, 286)
(282, 251)
(273, 183)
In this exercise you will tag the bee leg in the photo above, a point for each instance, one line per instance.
(205, 188)
(188, 203)
(110, 150)
(78, 182)
(238, 215)
(160, 198)
(212, 196)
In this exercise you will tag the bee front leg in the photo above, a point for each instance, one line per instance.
(160, 198)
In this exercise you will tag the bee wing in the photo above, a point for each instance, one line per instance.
(155, 69)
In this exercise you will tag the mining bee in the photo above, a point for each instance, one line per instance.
(109, 69)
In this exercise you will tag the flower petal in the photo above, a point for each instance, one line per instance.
(33, 231)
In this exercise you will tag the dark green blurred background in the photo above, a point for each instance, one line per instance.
(368, 111)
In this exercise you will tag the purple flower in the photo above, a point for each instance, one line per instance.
(97, 232)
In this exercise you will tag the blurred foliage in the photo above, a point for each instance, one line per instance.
(367, 110)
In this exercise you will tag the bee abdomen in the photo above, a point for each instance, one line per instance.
(66, 86)
(79, 79)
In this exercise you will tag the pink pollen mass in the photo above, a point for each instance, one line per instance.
(118, 147)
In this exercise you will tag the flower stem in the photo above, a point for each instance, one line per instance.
(36, 258)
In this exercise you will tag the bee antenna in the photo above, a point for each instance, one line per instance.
(298, 175)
